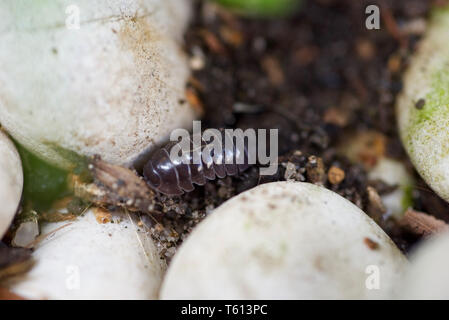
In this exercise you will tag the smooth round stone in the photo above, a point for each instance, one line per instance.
(427, 277)
(423, 106)
(115, 86)
(11, 182)
(285, 240)
(89, 260)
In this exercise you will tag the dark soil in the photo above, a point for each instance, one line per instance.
(315, 76)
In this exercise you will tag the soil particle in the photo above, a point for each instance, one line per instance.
(335, 175)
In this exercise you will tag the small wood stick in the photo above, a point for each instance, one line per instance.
(422, 224)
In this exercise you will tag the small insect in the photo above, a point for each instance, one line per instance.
(176, 177)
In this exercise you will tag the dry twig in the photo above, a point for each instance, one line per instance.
(422, 224)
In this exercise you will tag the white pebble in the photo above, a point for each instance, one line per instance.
(285, 240)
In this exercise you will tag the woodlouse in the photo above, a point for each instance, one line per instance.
(174, 178)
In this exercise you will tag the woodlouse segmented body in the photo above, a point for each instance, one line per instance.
(175, 177)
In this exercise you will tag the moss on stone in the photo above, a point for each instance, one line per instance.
(436, 107)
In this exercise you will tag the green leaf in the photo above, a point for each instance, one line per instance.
(264, 8)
